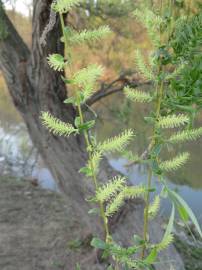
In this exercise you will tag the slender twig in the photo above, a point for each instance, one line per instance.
(88, 143)
(146, 211)
(110, 89)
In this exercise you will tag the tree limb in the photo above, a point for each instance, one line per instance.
(114, 87)
(14, 55)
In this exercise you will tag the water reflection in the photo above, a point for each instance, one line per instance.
(137, 175)
(18, 157)
(190, 175)
(187, 181)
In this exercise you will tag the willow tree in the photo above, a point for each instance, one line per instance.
(34, 87)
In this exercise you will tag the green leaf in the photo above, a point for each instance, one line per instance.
(155, 167)
(56, 61)
(65, 80)
(87, 171)
(156, 150)
(77, 121)
(70, 100)
(152, 189)
(164, 193)
(91, 199)
(152, 256)
(186, 108)
(86, 126)
(183, 213)
(138, 240)
(169, 228)
(187, 209)
(94, 211)
(98, 243)
(78, 266)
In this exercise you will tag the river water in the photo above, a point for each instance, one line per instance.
(18, 157)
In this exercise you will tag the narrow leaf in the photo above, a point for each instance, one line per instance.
(152, 256)
(169, 228)
(188, 210)
(98, 243)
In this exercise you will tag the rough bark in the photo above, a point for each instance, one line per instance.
(34, 87)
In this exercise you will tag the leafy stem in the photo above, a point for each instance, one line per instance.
(89, 146)
(146, 212)
(112, 195)
(150, 172)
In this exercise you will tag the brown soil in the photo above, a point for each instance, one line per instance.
(38, 230)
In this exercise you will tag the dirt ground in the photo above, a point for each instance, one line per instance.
(37, 229)
(40, 231)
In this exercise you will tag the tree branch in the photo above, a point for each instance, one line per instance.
(114, 87)
(14, 55)
(12, 43)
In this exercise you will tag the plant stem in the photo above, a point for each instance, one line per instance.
(63, 31)
(146, 211)
(152, 144)
(88, 144)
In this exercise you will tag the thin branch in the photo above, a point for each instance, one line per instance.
(14, 55)
(114, 87)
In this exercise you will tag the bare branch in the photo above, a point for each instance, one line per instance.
(14, 55)
(114, 87)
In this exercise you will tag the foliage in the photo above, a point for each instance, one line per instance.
(56, 61)
(146, 72)
(186, 135)
(86, 35)
(172, 121)
(63, 6)
(175, 163)
(117, 143)
(136, 95)
(165, 113)
(56, 126)
(185, 89)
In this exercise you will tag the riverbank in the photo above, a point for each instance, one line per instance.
(39, 230)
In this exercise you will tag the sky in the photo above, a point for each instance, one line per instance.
(20, 7)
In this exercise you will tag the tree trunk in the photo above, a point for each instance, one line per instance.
(34, 88)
